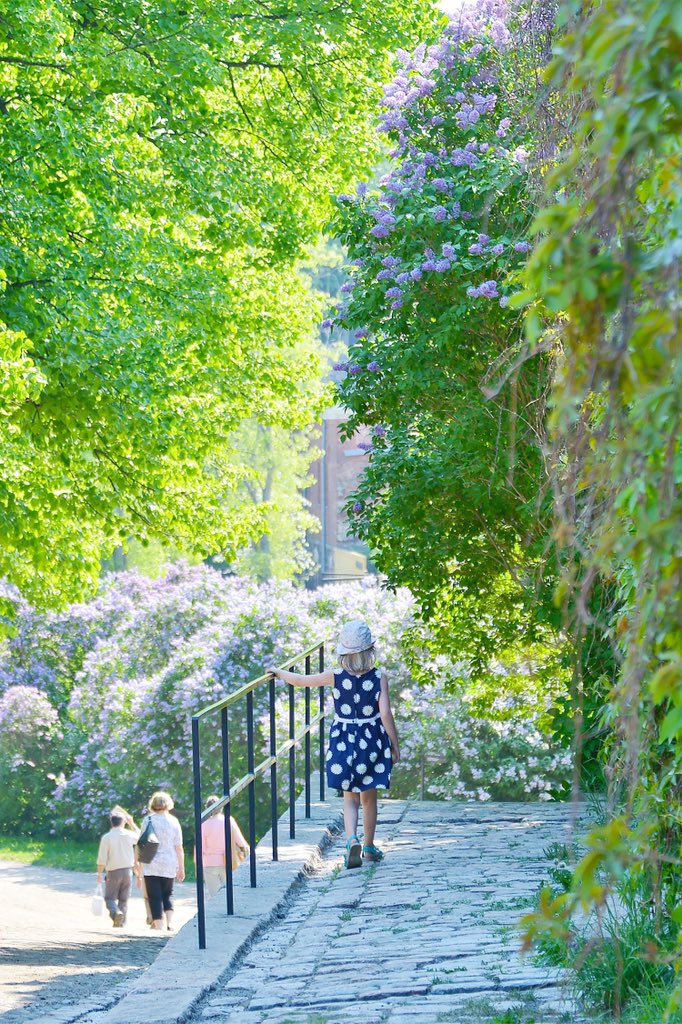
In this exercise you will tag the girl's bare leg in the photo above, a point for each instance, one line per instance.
(369, 816)
(351, 806)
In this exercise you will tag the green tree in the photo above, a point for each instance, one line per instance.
(454, 500)
(162, 167)
(278, 461)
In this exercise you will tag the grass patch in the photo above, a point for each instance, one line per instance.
(67, 854)
(50, 853)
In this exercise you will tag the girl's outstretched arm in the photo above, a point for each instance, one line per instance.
(387, 719)
(299, 679)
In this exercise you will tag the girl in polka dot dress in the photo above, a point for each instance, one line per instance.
(363, 742)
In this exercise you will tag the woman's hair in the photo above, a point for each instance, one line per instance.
(358, 663)
(161, 801)
(210, 801)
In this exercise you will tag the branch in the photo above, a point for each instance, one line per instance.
(22, 62)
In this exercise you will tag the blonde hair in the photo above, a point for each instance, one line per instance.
(359, 662)
(161, 801)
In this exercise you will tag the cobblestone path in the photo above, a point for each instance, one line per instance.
(426, 936)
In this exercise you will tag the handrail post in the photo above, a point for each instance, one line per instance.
(322, 763)
(225, 741)
(292, 766)
(273, 772)
(307, 741)
(252, 786)
(198, 851)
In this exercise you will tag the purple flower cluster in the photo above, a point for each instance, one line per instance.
(487, 290)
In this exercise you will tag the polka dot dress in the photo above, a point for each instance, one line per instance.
(359, 755)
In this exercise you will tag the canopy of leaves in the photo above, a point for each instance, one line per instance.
(163, 165)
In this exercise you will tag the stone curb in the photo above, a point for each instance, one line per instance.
(182, 974)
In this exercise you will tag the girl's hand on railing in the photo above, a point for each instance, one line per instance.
(273, 672)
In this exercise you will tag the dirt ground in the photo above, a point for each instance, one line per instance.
(54, 952)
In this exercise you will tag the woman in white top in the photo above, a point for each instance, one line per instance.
(168, 864)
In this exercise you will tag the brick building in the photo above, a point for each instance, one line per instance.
(336, 473)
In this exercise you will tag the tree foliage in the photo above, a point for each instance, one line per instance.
(606, 264)
(454, 498)
(162, 166)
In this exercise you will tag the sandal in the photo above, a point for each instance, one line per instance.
(372, 852)
(352, 857)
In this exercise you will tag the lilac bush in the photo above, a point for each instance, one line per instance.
(29, 731)
(148, 653)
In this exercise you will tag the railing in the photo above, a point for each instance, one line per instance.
(254, 772)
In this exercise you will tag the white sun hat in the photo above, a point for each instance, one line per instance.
(354, 636)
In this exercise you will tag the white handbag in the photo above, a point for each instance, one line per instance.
(97, 901)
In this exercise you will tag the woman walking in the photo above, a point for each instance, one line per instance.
(168, 863)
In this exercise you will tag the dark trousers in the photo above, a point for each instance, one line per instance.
(159, 894)
(117, 891)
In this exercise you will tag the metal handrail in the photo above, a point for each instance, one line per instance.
(255, 772)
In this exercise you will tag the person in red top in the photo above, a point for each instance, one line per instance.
(213, 848)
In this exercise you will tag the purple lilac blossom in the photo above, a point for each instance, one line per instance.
(522, 247)
(396, 304)
(441, 185)
(416, 274)
(384, 275)
(476, 249)
(357, 506)
(483, 239)
(361, 332)
(428, 265)
(379, 430)
(355, 368)
(448, 251)
(390, 261)
(347, 287)
(498, 249)
(442, 266)
(364, 446)
(402, 278)
(394, 293)
(327, 323)
(373, 367)
(439, 214)
(340, 367)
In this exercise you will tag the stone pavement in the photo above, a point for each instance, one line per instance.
(427, 936)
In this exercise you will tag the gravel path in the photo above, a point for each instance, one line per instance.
(54, 953)
(427, 936)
